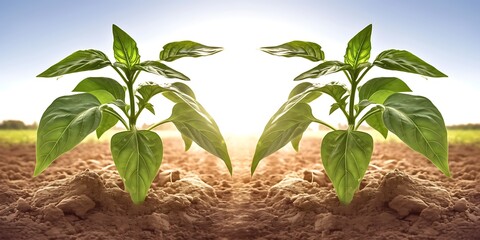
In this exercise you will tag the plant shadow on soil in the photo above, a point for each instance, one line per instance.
(80, 196)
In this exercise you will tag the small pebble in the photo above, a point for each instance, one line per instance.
(23, 205)
(431, 213)
(52, 213)
(168, 176)
(461, 205)
(404, 205)
(315, 176)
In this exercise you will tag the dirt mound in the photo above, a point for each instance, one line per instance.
(398, 203)
(94, 202)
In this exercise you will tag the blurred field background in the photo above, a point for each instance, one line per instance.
(26, 136)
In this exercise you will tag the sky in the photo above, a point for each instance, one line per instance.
(241, 87)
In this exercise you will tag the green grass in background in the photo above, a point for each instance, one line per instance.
(30, 136)
(456, 136)
(464, 136)
(17, 136)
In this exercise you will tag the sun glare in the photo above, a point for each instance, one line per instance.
(241, 87)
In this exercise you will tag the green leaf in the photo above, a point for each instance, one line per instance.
(302, 93)
(150, 108)
(282, 130)
(419, 124)
(376, 121)
(149, 89)
(122, 105)
(334, 108)
(296, 142)
(175, 50)
(405, 61)
(305, 88)
(187, 141)
(64, 124)
(124, 47)
(308, 50)
(108, 121)
(142, 103)
(322, 69)
(181, 88)
(345, 157)
(181, 93)
(358, 49)
(106, 90)
(336, 91)
(161, 69)
(175, 92)
(339, 104)
(137, 156)
(377, 90)
(198, 127)
(79, 61)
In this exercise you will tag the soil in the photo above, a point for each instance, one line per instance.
(80, 196)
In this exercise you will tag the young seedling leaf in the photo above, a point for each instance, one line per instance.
(377, 90)
(322, 69)
(345, 156)
(181, 88)
(308, 50)
(376, 121)
(296, 142)
(137, 156)
(401, 60)
(161, 69)
(201, 130)
(188, 142)
(149, 89)
(105, 89)
(336, 91)
(302, 93)
(419, 124)
(333, 108)
(124, 48)
(305, 88)
(79, 61)
(108, 121)
(358, 49)
(64, 124)
(175, 50)
(181, 93)
(150, 108)
(281, 131)
(306, 96)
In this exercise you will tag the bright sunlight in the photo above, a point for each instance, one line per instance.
(241, 86)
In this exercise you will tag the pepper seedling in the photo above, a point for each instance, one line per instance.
(380, 102)
(103, 102)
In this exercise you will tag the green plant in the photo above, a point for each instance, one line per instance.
(137, 153)
(346, 153)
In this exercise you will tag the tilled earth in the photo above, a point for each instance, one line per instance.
(80, 196)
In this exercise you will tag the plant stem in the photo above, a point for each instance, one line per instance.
(348, 76)
(132, 117)
(325, 124)
(344, 112)
(158, 124)
(351, 104)
(118, 117)
(120, 73)
(364, 73)
(354, 80)
(365, 117)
